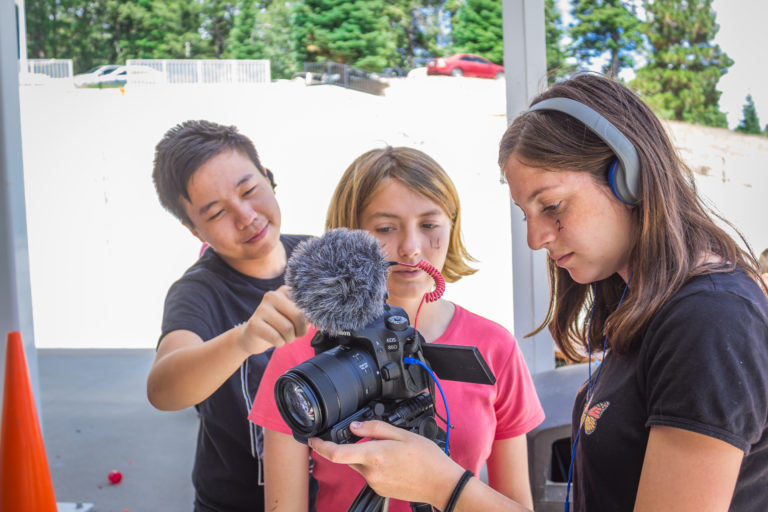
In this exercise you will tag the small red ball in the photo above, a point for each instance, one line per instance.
(115, 477)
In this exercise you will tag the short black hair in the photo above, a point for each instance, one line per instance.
(184, 149)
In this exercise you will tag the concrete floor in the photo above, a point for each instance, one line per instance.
(96, 418)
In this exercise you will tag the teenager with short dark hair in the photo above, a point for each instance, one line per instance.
(224, 316)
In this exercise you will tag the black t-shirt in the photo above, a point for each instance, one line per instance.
(209, 299)
(702, 366)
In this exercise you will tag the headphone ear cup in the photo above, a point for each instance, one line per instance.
(614, 170)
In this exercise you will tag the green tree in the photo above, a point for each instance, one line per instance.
(477, 28)
(176, 27)
(218, 18)
(680, 78)
(243, 41)
(606, 27)
(750, 122)
(429, 28)
(423, 28)
(354, 32)
(276, 32)
(127, 27)
(556, 55)
(68, 29)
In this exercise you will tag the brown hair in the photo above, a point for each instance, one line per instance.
(419, 172)
(674, 231)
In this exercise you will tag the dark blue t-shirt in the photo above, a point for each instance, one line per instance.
(209, 299)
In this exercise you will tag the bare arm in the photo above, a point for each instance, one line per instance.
(286, 473)
(508, 469)
(186, 371)
(431, 474)
(686, 471)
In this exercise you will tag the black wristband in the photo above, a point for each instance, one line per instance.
(457, 490)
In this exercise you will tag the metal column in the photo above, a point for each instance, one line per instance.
(15, 293)
(525, 68)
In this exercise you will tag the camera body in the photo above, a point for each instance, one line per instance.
(359, 375)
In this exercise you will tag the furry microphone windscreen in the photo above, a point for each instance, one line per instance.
(339, 280)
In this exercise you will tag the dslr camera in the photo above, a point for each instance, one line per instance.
(372, 373)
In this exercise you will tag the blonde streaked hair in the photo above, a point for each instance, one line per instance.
(419, 172)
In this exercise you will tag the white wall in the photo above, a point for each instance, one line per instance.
(103, 252)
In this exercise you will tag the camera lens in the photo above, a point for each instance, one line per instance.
(320, 392)
(299, 404)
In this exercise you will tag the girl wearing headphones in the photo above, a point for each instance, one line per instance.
(676, 415)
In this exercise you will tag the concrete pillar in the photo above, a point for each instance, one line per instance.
(15, 292)
(525, 68)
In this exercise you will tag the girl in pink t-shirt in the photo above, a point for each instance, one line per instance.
(407, 201)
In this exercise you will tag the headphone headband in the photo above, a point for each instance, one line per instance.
(625, 179)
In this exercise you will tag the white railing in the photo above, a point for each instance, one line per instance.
(189, 71)
(39, 71)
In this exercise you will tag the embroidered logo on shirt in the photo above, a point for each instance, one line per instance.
(589, 417)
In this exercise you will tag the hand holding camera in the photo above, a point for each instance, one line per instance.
(370, 363)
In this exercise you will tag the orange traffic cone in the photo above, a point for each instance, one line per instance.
(25, 480)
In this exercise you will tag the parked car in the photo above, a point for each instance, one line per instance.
(94, 75)
(135, 74)
(465, 64)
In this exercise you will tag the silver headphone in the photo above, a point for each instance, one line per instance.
(624, 172)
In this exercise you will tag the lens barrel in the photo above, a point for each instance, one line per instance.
(320, 392)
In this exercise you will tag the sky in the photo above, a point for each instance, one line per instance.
(741, 37)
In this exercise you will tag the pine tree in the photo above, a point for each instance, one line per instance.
(243, 41)
(354, 32)
(606, 27)
(556, 64)
(416, 26)
(69, 29)
(477, 29)
(680, 79)
(277, 35)
(129, 27)
(218, 18)
(750, 123)
(430, 28)
(175, 26)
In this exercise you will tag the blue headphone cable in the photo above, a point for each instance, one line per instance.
(590, 384)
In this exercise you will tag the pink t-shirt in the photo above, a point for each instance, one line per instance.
(481, 414)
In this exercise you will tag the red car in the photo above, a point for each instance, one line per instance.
(465, 64)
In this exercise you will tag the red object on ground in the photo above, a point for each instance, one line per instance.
(115, 477)
(25, 480)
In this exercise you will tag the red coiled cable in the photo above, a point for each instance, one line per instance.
(436, 276)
